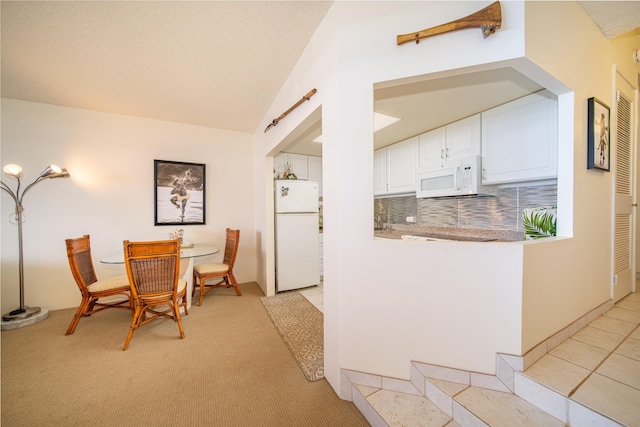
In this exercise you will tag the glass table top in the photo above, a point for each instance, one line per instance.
(195, 251)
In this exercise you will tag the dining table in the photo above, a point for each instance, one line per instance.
(188, 253)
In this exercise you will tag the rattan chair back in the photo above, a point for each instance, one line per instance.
(231, 248)
(153, 269)
(221, 272)
(82, 269)
(81, 262)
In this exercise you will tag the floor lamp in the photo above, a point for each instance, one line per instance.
(15, 171)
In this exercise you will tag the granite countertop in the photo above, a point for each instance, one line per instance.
(396, 231)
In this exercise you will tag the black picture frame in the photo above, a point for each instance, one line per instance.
(598, 135)
(179, 193)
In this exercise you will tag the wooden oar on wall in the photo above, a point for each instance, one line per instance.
(293, 107)
(488, 19)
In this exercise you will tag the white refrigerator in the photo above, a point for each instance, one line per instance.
(297, 234)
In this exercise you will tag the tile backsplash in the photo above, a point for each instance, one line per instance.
(500, 212)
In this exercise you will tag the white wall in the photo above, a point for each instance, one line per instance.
(390, 302)
(110, 194)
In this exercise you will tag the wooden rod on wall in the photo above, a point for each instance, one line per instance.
(293, 107)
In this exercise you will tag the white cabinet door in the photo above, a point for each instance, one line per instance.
(453, 141)
(315, 171)
(298, 163)
(380, 171)
(463, 138)
(401, 166)
(520, 140)
(279, 163)
(394, 168)
(431, 147)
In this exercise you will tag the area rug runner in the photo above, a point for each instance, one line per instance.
(301, 326)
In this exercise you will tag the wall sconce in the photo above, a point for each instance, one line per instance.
(15, 171)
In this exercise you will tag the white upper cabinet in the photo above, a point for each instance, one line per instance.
(401, 166)
(315, 171)
(454, 141)
(298, 163)
(395, 168)
(520, 140)
(463, 138)
(432, 147)
(380, 171)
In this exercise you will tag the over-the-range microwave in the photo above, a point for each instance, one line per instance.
(458, 177)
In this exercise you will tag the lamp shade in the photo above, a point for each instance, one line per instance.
(62, 174)
(50, 170)
(13, 170)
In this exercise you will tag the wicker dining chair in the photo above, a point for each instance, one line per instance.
(92, 289)
(223, 272)
(153, 269)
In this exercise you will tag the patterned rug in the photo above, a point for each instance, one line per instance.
(301, 326)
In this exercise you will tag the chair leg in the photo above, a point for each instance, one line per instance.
(76, 317)
(140, 309)
(176, 316)
(195, 282)
(234, 283)
(202, 286)
(197, 279)
(184, 302)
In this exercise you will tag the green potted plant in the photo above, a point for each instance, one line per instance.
(539, 222)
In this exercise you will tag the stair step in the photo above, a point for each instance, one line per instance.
(401, 409)
(585, 375)
(473, 407)
(497, 408)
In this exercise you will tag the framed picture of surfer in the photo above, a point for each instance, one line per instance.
(179, 193)
(598, 141)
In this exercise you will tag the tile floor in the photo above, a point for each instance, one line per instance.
(599, 366)
(595, 369)
(315, 296)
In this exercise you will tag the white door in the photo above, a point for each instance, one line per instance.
(624, 221)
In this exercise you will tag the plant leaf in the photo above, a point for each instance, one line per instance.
(539, 222)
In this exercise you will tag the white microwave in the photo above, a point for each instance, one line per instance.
(457, 177)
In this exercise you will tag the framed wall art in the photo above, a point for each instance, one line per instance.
(179, 193)
(599, 146)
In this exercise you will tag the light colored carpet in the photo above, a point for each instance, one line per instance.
(232, 369)
(301, 326)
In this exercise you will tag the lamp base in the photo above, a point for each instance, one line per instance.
(20, 323)
(21, 313)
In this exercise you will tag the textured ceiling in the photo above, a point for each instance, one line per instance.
(211, 63)
(614, 18)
